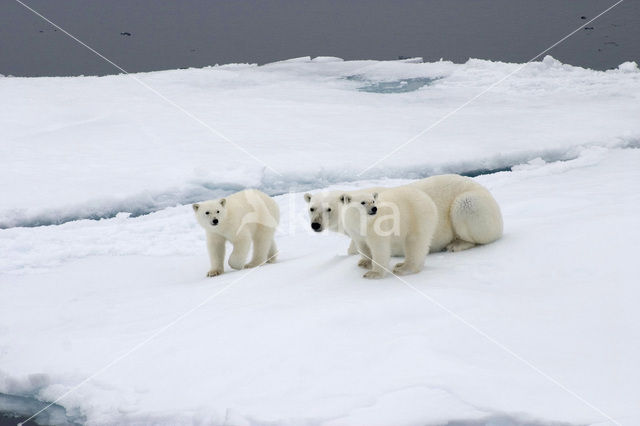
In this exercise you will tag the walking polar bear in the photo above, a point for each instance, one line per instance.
(399, 217)
(243, 218)
(468, 215)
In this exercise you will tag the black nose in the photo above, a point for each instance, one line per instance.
(315, 226)
(214, 221)
(374, 209)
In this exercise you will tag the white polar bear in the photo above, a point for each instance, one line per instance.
(246, 217)
(325, 211)
(468, 215)
(402, 216)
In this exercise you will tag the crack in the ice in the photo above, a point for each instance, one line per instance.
(149, 203)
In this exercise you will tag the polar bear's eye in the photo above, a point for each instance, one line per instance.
(362, 203)
(312, 209)
(329, 209)
(206, 212)
(217, 211)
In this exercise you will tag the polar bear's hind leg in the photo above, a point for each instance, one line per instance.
(476, 219)
(262, 243)
(240, 251)
(273, 252)
(459, 245)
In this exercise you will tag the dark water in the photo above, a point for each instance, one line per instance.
(16, 409)
(12, 420)
(146, 35)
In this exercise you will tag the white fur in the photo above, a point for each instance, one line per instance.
(402, 216)
(244, 218)
(468, 214)
(325, 210)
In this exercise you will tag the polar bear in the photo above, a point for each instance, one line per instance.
(402, 216)
(325, 211)
(243, 218)
(468, 214)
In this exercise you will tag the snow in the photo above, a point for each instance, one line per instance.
(630, 66)
(537, 328)
(115, 145)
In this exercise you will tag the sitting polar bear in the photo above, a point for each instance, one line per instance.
(468, 214)
(402, 217)
(242, 218)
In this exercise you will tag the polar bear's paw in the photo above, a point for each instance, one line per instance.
(459, 245)
(235, 264)
(252, 264)
(365, 263)
(214, 272)
(372, 275)
(403, 268)
(398, 266)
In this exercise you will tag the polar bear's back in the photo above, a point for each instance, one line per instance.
(257, 203)
(417, 212)
(443, 189)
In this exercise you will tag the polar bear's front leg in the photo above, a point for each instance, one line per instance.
(240, 251)
(353, 248)
(416, 248)
(380, 255)
(215, 247)
(365, 254)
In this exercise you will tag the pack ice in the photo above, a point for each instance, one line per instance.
(104, 307)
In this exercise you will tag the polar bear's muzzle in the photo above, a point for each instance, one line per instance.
(316, 226)
(214, 222)
(373, 210)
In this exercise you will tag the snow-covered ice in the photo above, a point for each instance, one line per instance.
(113, 142)
(539, 327)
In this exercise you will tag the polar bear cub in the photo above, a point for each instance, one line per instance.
(376, 222)
(325, 211)
(244, 218)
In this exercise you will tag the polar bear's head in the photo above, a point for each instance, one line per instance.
(324, 211)
(211, 214)
(364, 202)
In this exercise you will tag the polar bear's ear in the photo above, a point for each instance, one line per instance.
(375, 195)
(345, 198)
(195, 207)
(307, 197)
(223, 201)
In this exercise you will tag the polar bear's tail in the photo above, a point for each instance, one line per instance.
(476, 219)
